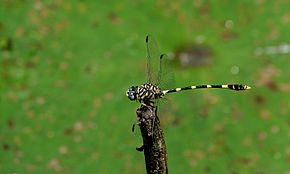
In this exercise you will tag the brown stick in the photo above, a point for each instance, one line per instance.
(153, 140)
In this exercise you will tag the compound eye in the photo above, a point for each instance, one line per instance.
(131, 93)
(131, 96)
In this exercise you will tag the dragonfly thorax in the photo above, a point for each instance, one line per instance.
(145, 93)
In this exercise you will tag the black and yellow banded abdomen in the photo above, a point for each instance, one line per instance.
(236, 87)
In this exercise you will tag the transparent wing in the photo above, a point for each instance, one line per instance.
(165, 75)
(166, 81)
(152, 60)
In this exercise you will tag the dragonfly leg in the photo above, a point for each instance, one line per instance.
(133, 127)
(140, 149)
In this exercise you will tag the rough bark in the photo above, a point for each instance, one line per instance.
(154, 147)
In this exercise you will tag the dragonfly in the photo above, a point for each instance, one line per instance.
(149, 92)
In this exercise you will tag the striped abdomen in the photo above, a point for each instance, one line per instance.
(236, 87)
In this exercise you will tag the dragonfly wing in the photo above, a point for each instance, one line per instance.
(152, 60)
(165, 75)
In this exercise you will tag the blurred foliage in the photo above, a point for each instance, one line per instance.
(65, 67)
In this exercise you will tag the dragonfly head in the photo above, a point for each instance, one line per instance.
(131, 92)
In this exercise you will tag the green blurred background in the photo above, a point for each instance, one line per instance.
(65, 67)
